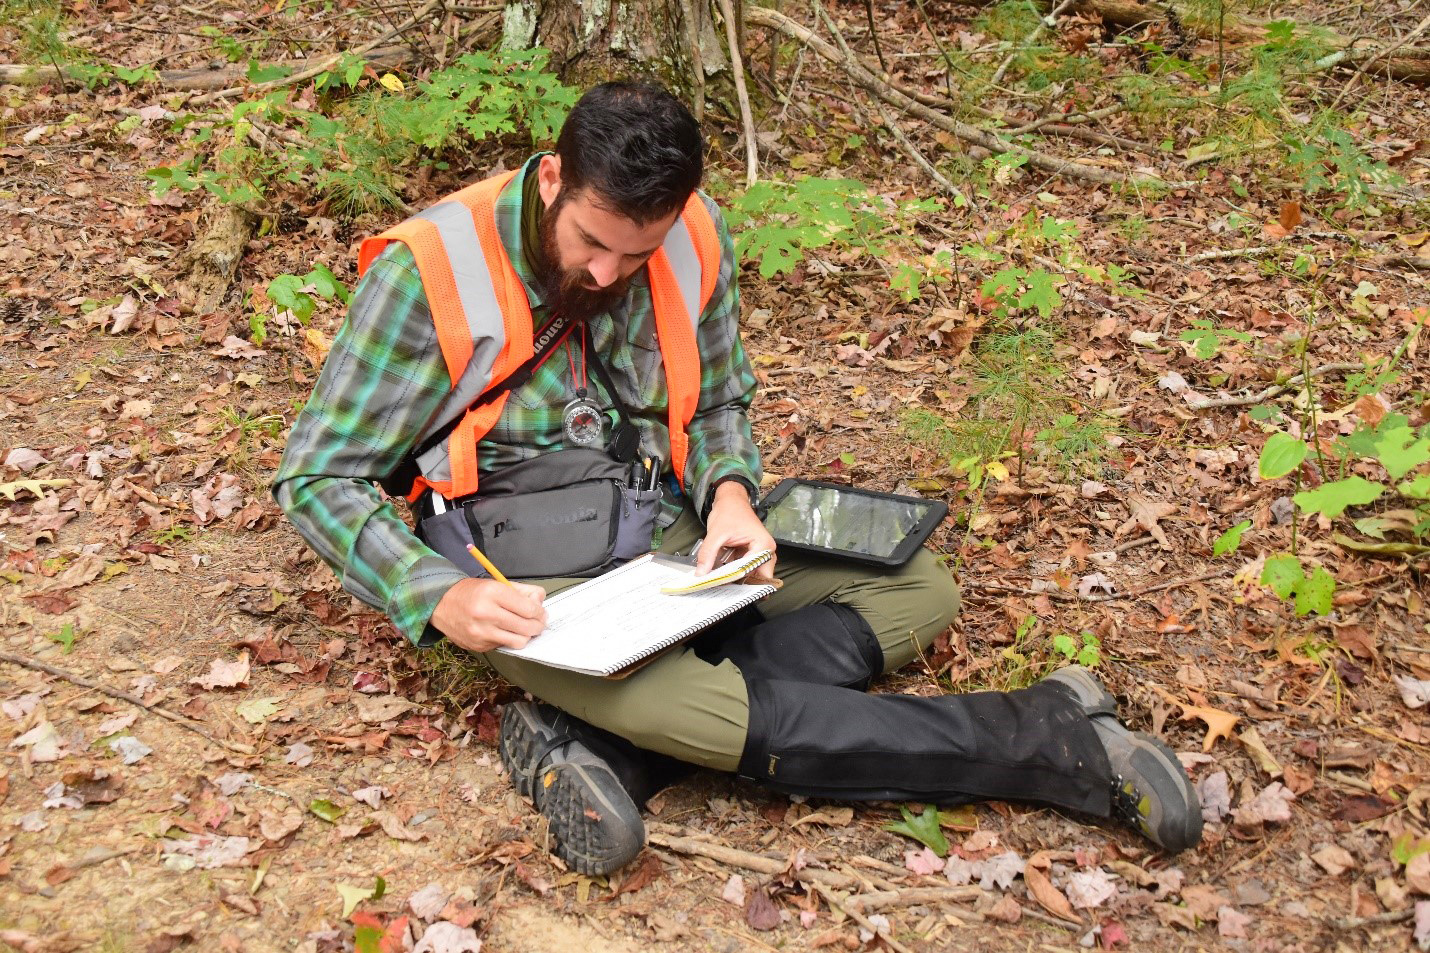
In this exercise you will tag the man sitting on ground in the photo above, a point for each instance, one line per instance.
(609, 235)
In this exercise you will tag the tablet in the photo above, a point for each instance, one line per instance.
(865, 526)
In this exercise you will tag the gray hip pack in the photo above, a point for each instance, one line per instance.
(565, 513)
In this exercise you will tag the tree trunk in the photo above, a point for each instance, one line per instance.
(598, 40)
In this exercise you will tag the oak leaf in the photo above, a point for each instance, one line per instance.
(1219, 723)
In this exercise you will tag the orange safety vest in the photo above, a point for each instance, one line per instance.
(483, 319)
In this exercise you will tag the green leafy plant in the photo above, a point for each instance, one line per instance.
(174, 534)
(1085, 650)
(1309, 592)
(1229, 541)
(65, 637)
(1030, 657)
(1207, 339)
(778, 224)
(356, 150)
(300, 293)
(924, 827)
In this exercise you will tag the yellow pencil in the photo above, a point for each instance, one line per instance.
(480, 557)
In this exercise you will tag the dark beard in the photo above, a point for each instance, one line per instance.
(563, 288)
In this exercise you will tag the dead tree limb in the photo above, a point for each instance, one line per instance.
(864, 77)
(327, 63)
(213, 259)
(737, 62)
(1410, 64)
(1244, 400)
(1386, 53)
(21, 74)
(82, 682)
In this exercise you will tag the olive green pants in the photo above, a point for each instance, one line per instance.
(682, 706)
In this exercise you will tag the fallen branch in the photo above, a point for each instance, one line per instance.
(1275, 389)
(1045, 23)
(325, 64)
(662, 837)
(917, 157)
(864, 77)
(1148, 590)
(1375, 919)
(1376, 56)
(1411, 64)
(1224, 253)
(1062, 596)
(854, 914)
(22, 74)
(892, 125)
(212, 261)
(83, 682)
(737, 63)
(911, 896)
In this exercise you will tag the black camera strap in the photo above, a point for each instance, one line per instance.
(543, 345)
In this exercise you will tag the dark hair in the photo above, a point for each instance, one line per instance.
(635, 146)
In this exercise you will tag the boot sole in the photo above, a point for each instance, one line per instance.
(597, 827)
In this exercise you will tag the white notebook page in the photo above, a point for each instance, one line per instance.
(616, 619)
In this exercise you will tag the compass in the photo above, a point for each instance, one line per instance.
(583, 422)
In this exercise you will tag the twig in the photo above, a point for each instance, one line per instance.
(1380, 54)
(1045, 23)
(737, 64)
(99, 856)
(1223, 253)
(779, 451)
(1275, 389)
(913, 153)
(860, 919)
(762, 16)
(80, 680)
(1352, 923)
(1134, 544)
(892, 125)
(1148, 590)
(874, 35)
(1019, 590)
(744, 859)
(324, 65)
(909, 896)
(1093, 116)
(1061, 596)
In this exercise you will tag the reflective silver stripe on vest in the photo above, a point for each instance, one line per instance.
(685, 263)
(484, 320)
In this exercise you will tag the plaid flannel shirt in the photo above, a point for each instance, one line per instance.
(384, 380)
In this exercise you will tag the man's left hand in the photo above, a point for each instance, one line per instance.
(734, 526)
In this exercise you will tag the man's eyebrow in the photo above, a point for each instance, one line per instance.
(590, 239)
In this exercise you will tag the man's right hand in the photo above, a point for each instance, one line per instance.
(482, 614)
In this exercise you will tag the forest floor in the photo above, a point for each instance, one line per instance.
(321, 783)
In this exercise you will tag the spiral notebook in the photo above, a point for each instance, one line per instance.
(612, 624)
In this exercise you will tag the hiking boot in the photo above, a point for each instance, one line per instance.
(1150, 789)
(1086, 690)
(553, 759)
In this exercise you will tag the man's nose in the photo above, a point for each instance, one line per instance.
(604, 269)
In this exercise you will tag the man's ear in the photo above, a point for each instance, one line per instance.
(548, 178)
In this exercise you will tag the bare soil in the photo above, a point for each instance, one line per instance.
(161, 553)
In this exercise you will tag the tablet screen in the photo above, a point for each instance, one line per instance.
(850, 521)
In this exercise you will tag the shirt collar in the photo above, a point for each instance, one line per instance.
(512, 221)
